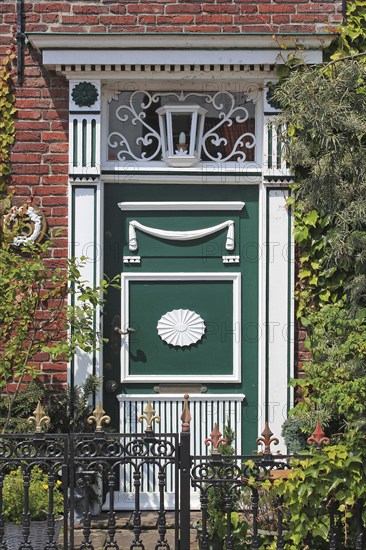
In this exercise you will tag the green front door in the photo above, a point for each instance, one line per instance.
(188, 304)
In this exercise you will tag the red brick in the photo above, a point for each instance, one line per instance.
(88, 9)
(53, 201)
(147, 19)
(213, 8)
(31, 147)
(118, 19)
(166, 19)
(28, 136)
(117, 8)
(323, 8)
(60, 211)
(7, 7)
(252, 19)
(52, 7)
(25, 158)
(276, 9)
(281, 18)
(80, 19)
(34, 114)
(314, 17)
(144, 8)
(54, 136)
(50, 18)
(215, 18)
(53, 188)
(25, 180)
(32, 125)
(165, 28)
(183, 8)
(59, 147)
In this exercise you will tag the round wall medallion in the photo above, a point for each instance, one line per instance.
(84, 94)
(181, 327)
(27, 222)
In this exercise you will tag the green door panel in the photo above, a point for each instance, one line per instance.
(150, 355)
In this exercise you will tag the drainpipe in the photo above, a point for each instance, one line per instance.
(20, 42)
(344, 11)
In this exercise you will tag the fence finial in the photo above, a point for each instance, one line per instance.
(39, 418)
(215, 439)
(318, 438)
(267, 438)
(149, 415)
(186, 415)
(99, 417)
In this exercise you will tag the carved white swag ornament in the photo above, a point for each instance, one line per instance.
(181, 327)
(180, 235)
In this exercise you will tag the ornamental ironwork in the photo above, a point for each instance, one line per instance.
(229, 131)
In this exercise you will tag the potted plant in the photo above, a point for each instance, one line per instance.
(38, 507)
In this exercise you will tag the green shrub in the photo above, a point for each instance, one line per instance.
(13, 496)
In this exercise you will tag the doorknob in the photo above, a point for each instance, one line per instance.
(124, 332)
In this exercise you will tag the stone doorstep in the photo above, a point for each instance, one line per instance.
(124, 520)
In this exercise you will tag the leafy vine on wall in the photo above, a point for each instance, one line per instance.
(7, 114)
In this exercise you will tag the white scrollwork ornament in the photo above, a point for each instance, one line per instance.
(135, 119)
(27, 223)
(181, 327)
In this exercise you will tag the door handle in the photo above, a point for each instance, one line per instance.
(124, 332)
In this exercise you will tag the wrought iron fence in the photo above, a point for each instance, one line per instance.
(238, 508)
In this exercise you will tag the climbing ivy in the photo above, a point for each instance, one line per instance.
(352, 38)
(7, 112)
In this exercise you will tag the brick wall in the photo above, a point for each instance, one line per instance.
(39, 157)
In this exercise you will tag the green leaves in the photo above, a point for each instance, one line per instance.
(7, 112)
(36, 322)
(333, 476)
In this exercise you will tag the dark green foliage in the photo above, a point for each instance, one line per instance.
(70, 410)
(325, 112)
(294, 436)
(23, 408)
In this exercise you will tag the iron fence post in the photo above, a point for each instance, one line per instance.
(185, 477)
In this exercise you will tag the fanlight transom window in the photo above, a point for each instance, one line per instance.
(134, 133)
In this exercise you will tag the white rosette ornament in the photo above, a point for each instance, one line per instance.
(181, 327)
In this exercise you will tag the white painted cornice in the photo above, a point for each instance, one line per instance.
(60, 49)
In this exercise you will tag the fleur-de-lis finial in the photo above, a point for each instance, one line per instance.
(99, 417)
(39, 418)
(186, 415)
(267, 439)
(318, 438)
(149, 415)
(215, 439)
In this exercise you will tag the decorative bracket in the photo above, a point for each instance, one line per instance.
(131, 259)
(231, 259)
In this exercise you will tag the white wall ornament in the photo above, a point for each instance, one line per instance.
(181, 327)
(180, 235)
(26, 220)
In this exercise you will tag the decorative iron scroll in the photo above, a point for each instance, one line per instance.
(228, 136)
(180, 235)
